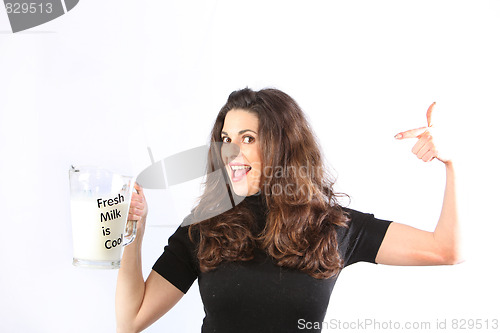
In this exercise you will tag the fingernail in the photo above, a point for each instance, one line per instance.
(398, 136)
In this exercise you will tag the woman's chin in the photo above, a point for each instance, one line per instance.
(242, 191)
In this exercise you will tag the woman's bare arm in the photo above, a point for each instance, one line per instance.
(138, 304)
(405, 245)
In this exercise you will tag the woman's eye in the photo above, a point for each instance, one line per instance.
(248, 139)
(226, 139)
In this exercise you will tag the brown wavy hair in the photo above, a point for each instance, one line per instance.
(300, 231)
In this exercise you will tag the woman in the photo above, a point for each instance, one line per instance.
(269, 263)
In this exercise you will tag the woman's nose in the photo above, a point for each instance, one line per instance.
(230, 151)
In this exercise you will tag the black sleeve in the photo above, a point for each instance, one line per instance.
(362, 239)
(178, 263)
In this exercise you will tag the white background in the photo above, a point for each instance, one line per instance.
(110, 78)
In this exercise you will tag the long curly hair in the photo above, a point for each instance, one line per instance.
(302, 210)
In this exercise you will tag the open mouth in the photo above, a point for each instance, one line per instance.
(239, 171)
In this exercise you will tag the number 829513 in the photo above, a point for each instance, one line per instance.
(28, 7)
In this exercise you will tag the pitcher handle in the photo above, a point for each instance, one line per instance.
(130, 232)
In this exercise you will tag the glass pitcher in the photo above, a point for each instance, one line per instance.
(100, 200)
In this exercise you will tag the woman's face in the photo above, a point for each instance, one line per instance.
(243, 165)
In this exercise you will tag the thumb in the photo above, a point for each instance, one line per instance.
(139, 189)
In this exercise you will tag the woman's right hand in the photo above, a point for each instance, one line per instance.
(138, 209)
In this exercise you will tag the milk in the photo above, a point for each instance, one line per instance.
(98, 228)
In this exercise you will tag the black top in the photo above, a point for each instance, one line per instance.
(257, 295)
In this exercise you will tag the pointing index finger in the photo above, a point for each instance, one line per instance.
(413, 133)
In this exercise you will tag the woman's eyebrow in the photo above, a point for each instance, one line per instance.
(240, 132)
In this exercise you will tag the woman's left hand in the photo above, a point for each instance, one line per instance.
(425, 148)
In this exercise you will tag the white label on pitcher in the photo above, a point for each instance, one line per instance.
(98, 227)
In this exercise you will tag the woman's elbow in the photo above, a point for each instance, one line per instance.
(453, 257)
(125, 330)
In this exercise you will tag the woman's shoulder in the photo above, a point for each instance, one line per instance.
(188, 230)
(360, 221)
(357, 215)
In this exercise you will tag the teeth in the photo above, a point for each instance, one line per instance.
(240, 167)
